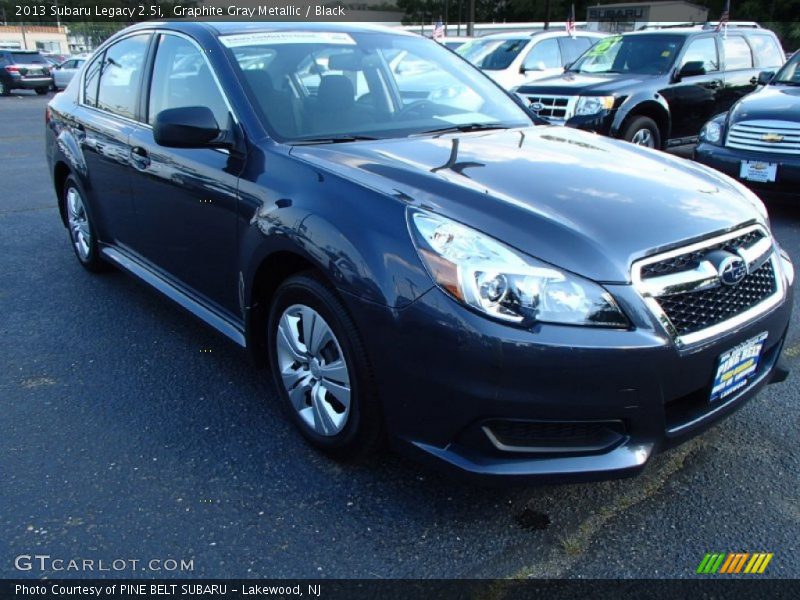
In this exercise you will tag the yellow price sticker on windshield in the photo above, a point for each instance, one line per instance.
(665, 54)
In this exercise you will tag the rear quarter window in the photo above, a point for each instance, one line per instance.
(767, 51)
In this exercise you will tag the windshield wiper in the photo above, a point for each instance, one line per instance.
(465, 128)
(334, 139)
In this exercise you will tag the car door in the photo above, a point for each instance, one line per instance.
(186, 198)
(65, 72)
(741, 75)
(103, 121)
(694, 99)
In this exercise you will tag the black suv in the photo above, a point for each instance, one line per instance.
(656, 88)
(24, 69)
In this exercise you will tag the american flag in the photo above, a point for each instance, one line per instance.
(726, 15)
(438, 30)
(571, 22)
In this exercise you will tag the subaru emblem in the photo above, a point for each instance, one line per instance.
(732, 270)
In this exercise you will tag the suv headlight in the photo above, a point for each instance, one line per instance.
(502, 283)
(591, 105)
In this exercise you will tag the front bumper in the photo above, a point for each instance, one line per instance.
(729, 160)
(447, 375)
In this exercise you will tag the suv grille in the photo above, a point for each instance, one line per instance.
(696, 311)
(781, 137)
(691, 260)
(691, 290)
(557, 108)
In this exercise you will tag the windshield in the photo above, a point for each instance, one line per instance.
(330, 85)
(492, 54)
(640, 54)
(790, 73)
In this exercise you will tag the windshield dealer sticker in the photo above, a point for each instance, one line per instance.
(287, 37)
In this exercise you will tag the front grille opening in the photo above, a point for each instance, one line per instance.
(556, 437)
(691, 260)
(693, 406)
(696, 311)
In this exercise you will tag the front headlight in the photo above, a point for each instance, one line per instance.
(711, 132)
(591, 105)
(502, 283)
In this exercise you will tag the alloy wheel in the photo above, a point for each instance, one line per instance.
(78, 220)
(313, 370)
(643, 137)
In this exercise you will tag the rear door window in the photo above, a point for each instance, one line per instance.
(737, 53)
(121, 74)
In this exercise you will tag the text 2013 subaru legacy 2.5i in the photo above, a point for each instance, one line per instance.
(414, 257)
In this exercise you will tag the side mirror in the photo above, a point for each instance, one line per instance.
(765, 77)
(188, 127)
(537, 67)
(692, 69)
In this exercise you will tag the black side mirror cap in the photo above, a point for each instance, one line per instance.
(765, 77)
(188, 127)
(692, 68)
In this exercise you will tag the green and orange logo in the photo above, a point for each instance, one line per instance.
(734, 563)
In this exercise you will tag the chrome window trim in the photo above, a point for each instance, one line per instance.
(756, 257)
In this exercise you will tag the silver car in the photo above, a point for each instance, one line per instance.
(63, 73)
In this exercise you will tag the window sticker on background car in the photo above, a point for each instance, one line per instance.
(280, 37)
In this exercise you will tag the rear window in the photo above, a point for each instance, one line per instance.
(28, 58)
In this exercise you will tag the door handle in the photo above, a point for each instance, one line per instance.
(754, 81)
(140, 158)
(714, 85)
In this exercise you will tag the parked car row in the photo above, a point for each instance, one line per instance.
(413, 257)
(31, 70)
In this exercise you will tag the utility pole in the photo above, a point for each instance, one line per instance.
(547, 15)
(471, 18)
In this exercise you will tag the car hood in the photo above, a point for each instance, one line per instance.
(585, 203)
(573, 84)
(773, 102)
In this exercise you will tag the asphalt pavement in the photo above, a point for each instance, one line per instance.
(131, 431)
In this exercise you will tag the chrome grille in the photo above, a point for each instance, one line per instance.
(555, 108)
(691, 260)
(781, 137)
(693, 312)
(684, 290)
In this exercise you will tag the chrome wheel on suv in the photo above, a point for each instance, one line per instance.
(643, 131)
(313, 369)
(643, 137)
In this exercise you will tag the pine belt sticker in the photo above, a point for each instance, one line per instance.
(287, 37)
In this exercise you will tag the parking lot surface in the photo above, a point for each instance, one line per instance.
(129, 430)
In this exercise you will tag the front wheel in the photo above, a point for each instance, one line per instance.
(320, 369)
(643, 131)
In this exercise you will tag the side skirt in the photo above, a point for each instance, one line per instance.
(224, 325)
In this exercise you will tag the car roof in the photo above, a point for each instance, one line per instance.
(233, 27)
(521, 35)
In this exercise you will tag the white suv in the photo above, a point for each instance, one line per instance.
(512, 59)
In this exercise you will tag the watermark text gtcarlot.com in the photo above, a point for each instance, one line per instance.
(46, 563)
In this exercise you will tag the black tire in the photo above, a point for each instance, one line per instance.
(4, 89)
(639, 129)
(92, 260)
(41, 91)
(362, 432)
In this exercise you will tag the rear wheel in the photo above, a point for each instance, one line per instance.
(81, 230)
(321, 370)
(643, 131)
(4, 89)
(41, 91)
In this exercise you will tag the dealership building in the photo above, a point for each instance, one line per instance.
(629, 16)
(49, 39)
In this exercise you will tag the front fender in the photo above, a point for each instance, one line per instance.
(646, 103)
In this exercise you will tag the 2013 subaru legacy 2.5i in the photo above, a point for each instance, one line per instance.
(414, 256)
